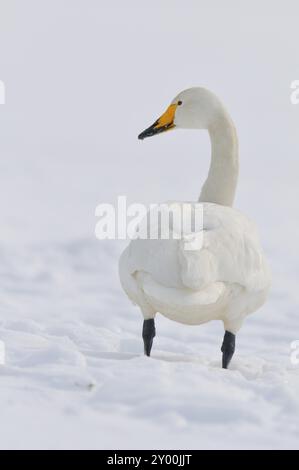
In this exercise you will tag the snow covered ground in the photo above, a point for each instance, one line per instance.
(75, 375)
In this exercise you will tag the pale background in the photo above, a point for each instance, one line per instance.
(83, 78)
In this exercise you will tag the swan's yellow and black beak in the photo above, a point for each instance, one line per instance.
(164, 123)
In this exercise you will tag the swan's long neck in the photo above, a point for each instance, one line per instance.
(220, 186)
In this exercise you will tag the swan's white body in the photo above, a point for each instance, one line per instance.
(227, 277)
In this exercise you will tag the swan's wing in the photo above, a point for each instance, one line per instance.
(230, 252)
(226, 250)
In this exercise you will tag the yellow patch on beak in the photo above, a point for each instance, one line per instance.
(166, 120)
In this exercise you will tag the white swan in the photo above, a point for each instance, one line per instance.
(228, 277)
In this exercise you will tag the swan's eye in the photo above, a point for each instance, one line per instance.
(179, 103)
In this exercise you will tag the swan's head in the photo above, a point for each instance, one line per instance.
(195, 108)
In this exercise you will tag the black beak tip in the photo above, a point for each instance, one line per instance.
(154, 130)
(149, 132)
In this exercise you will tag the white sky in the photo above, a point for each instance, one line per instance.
(83, 78)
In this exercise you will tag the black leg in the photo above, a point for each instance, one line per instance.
(148, 334)
(228, 348)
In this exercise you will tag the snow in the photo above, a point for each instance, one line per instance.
(75, 375)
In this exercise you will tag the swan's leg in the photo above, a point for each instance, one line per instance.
(228, 348)
(148, 334)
